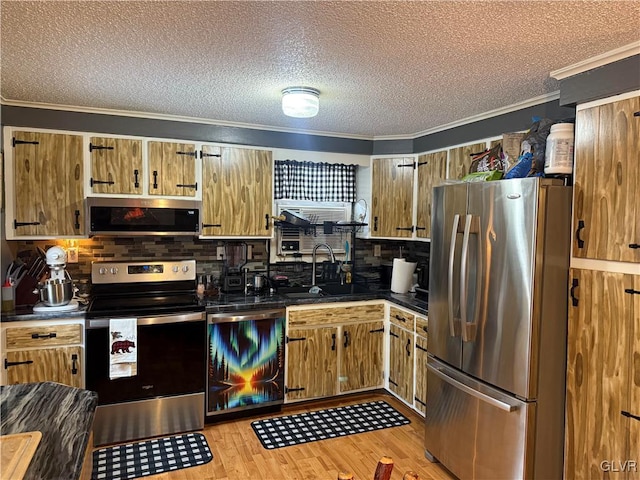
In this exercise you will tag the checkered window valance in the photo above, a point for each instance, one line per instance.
(318, 182)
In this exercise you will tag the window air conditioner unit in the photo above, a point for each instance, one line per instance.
(292, 240)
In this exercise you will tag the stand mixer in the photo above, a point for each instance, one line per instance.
(56, 293)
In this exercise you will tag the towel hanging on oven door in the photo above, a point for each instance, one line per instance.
(123, 349)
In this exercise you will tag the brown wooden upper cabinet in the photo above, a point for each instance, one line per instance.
(392, 197)
(116, 165)
(607, 165)
(172, 169)
(432, 171)
(237, 191)
(48, 184)
(460, 159)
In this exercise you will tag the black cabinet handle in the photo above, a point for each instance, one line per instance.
(420, 228)
(574, 285)
(203, 154)
(17, 224)
(420, 401)
(187, 185)
(636, 114)
(93, 147)
(48, 335)
(580, 227)
(135, 178)
(188, 154)
(634, 245)
(630, 415)
(74, 367)
(392, 382)
(346, 340)
(375, 224)
(422, 163)
(266, 221)
(426, 329)
(155, 179)
(77, 215)
(206, 225)
(333, 341)
(295, 339)
(15, 142)
(421, 348)
(8, 364)
(93, 182)
(631, 291)
(410, 229)
(394, 334)
(398, 317)
(287, 389)
(412, 165)
(377, 330)
(408, 348)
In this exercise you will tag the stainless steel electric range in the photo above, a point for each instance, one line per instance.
(163, 390)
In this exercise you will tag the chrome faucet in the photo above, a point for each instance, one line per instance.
(313, 259)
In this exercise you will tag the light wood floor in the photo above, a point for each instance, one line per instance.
(239, 455)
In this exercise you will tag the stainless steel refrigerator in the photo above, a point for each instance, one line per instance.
(497, 328)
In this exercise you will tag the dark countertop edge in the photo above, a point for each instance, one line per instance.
(236, 303)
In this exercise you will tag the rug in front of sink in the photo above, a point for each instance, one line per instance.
(336, 422)
(150, 457)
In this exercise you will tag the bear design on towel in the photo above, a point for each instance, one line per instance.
(122, 347)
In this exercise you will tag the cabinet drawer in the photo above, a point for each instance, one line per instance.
(422, 326)
(402, 318)
(45, 336)
(335, 315)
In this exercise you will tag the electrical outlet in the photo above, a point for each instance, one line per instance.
(220, 253)
(376, 250)
(249, 252)
(72, 255)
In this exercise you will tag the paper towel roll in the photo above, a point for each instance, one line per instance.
(402, 275)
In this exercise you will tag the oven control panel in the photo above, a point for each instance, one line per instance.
(141, 272)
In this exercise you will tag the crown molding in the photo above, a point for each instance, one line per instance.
(597, 61)
(547, 97)
(174, 118)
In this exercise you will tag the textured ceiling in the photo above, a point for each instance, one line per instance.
(383, 68)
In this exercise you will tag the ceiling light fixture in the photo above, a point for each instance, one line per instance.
(300, 102)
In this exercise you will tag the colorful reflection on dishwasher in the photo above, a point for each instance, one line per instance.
(245, 364)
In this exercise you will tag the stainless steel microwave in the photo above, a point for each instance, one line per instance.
(143, 216)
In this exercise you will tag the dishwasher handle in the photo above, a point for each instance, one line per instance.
(244, 315)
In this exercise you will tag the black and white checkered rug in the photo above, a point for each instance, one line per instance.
(324, 424)
(150, 457)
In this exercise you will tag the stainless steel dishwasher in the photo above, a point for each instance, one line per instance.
(245, 360)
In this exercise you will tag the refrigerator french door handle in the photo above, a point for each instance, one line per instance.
(475, 393)
(452, 255)
(463, 277)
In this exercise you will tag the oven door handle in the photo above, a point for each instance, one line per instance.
(187, 317)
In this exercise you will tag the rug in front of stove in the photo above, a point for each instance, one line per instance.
(336, 422)
(150, 457)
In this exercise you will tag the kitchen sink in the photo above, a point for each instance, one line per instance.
(328, 290)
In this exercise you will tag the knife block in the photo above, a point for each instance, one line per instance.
(24, 291)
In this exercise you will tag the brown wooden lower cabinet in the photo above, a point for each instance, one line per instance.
(401, 363)
(420, 395)
(602, 438)
(61, 364)
(312, 363)
(361, 360)
(326, 361)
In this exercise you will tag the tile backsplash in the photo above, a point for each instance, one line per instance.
(369, 267)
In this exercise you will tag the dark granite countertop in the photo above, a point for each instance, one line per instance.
(239, 302)
(63, 414)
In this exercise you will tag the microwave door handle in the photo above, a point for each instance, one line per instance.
(452, 255)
